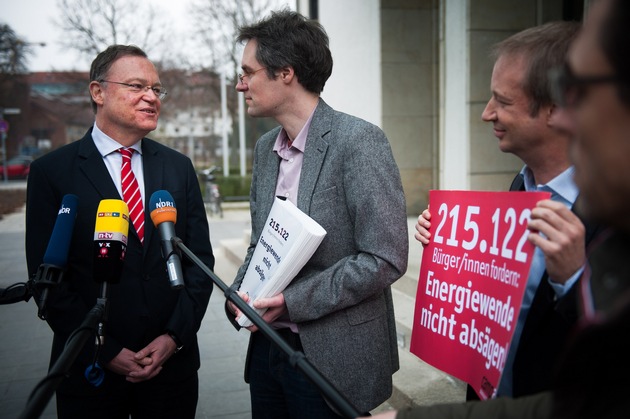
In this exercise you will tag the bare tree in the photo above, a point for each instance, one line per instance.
(218, 22)
(89, 26)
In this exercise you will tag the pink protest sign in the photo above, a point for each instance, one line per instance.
(472, 278)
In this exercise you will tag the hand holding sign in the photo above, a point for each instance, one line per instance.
(560, 235)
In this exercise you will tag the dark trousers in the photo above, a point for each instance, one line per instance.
(120, 399)
(278, 390)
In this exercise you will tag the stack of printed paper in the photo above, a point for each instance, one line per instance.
(287, 242)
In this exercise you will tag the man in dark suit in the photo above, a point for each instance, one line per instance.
(340, 171)
(150, 355)
(524, 115)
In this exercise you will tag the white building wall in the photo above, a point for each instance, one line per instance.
(353, 27)
(454, 116)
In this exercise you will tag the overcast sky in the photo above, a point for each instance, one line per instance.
(32, 22)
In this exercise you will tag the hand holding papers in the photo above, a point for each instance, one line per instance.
(287, 242)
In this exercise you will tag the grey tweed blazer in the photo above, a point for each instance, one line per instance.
(341, 300)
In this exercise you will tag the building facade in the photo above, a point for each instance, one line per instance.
(420, 69)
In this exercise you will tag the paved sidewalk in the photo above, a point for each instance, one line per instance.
(25, 340)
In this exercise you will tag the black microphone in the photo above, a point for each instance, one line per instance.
(111, 232)
(51, 271)
(16, 293)
(164, 216)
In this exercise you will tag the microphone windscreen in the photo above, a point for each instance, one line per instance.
(112, 221)
(59, 244)
(110, 240)
(162, 207)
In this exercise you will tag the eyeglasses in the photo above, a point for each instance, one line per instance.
(248, 74)
(568, 90)
(159, 91)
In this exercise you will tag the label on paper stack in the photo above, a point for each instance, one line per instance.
(287, 242)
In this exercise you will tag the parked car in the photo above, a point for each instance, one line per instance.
(17, 167)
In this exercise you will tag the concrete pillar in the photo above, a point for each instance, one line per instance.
(454, 155)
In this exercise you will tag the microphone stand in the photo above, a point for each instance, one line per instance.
(46, 387)
(296, 358)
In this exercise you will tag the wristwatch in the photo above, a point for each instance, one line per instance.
(178, 343)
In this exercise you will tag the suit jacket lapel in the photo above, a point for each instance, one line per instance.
(153, 166)
(94, 168)
(544, 298)
(314, 154)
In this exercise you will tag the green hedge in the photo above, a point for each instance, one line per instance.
(232, 187)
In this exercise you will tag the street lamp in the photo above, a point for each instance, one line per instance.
(20, 48)
(30, 44)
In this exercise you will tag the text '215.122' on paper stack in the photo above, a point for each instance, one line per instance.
(287, 242)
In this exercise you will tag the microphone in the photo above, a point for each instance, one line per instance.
(15, 293)
(50, 272)
(110, 240)
(110, 244)
(164, 216)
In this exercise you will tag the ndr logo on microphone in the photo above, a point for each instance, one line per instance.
(164, 204)
(64, 210)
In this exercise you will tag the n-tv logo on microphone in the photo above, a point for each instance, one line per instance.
(105, 236)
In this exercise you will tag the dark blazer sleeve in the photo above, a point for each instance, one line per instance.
(50, 179)
(194, 232)
(538, 406)
(548, 324)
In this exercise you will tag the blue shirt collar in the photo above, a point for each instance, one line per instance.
(562, 187)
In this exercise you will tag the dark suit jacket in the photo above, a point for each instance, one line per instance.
(593, 379)
(341, 300)
(546, 328)
(142, 305)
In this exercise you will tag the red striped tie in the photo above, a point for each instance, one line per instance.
(131, 193)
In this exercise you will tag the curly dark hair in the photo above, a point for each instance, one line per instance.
(288, 39)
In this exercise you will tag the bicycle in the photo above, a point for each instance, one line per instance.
(212, 194)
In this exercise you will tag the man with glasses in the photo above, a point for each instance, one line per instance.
(594, 89)
(523, 115)
(340, 171)
(149, 357)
